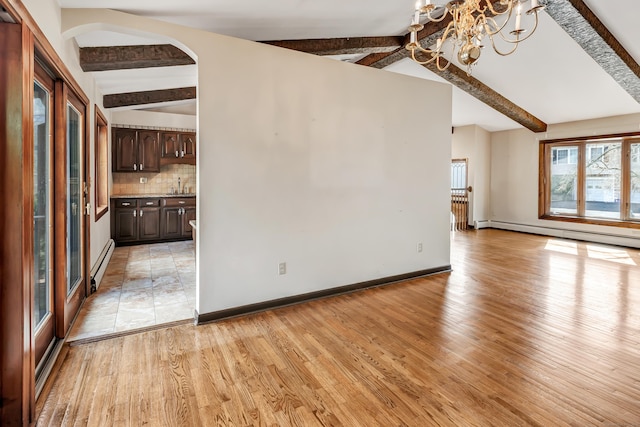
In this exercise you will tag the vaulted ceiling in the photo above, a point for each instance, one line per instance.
(582, 62)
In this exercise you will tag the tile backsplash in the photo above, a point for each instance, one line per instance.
(157, 182)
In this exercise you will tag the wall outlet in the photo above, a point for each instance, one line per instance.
(143, 180)
(419, 247)
(282, 268)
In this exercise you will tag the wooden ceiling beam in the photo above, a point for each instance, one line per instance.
(575, 17)
(341, 46)
(148, 97)
(128, 57)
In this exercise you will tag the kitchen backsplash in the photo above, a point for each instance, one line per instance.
(157, 182)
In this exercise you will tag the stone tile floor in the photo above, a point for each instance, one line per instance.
(143, 286)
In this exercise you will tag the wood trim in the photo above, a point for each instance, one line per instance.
(59, 203)
(105, 58)
(310, 296)
(15, 227)
(100, 121)
(148, 97)
(591, 137)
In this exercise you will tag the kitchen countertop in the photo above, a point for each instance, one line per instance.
(148, 196)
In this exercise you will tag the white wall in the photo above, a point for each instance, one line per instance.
(308, 161)
(474, 144)
(48, 15)
(514, 180)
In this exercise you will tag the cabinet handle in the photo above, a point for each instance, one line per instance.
(141, 212)
(182, 153)
(176, 153)
(135, 167)
(182, 202)
(149, 203)
(126, 204)
(140, 166)
(135, 213)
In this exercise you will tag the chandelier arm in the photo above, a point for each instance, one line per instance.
(413, 56)
(509, 9)
(498, 51)
(438, 63)
(518, 39)
(428, 15)
(489, 21)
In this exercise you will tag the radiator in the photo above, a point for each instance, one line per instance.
(97, 271)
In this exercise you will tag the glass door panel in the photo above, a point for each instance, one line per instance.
(41, 205)
(74, 201)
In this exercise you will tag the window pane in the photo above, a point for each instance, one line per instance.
(41, 205)
(74, 198)
(603, 180)
(635, 181)
(564, 175)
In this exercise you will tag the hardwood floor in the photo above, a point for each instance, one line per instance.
(526, 330)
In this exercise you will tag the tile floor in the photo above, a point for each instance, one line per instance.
(143, 286)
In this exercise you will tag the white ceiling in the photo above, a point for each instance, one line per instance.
(550, 76)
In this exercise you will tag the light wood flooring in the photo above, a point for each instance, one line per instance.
(526, 331)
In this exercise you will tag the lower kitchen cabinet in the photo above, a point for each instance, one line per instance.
(145, 220)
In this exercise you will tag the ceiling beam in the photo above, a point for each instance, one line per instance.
(148, 97)
(342, 46)
(128, 57)
(595, 39)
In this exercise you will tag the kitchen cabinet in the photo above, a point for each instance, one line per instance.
(176, 214)
(135, 150)
(178, 147)
(151, 219)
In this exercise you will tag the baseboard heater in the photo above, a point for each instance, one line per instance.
(100, 266)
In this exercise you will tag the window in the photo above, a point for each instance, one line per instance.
(102, 165)
(591, 180)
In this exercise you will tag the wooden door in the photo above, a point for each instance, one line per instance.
(169, 145)
(125, 150)
(188, 214)
(149, 224)
(126, 224)
(171, 223)
(188, 146)
(71, 211)
(148, 151)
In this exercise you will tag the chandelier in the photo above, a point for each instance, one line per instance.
(471, 22)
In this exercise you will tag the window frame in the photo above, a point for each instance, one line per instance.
(101, 175)
(544, 184)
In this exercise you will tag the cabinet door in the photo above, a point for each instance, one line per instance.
(126, 225)
(169, 145)
(188, 215)
(149, 223)
(125, 150)
(188, 146)
(171, 223)
(148, 151)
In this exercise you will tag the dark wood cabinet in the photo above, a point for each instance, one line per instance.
(125, 150)
(135, 150)
(152, 219)
(178, 147)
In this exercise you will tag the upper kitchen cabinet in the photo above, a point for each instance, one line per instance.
(135, 150)
(178, 147)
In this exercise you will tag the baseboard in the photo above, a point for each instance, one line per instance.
(585, 236)
(98, 270)
(301, 298)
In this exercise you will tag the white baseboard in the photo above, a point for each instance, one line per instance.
(609, 239)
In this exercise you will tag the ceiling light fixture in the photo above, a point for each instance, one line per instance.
(471, 21)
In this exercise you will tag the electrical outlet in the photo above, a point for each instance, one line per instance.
(419, 247)
(282, 268)
(143, 180)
